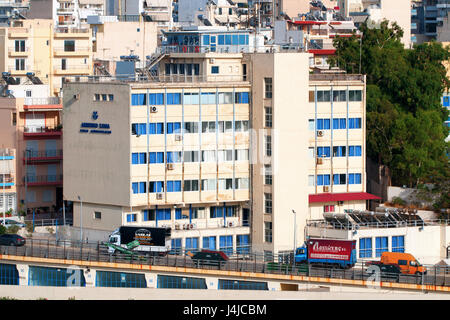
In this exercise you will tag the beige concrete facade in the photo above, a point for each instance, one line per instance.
(140, 38)
(51, 53)
(102, 171)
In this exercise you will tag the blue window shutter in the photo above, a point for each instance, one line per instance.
(160, 98)
(152, 97)
(326, 124)
(177, 185)
(320, 124)
(320, 180)
(142, 187)
(178, 213)
(335, 123)
(358, 178)
(177, 127)
(351, 151)
(160, 128)
(169, 158)
(152, 128)
(141, 128)
(169, 186)
(351, 178)
(335, 179)
(245, 97)
(142, 158)
(351, 123)
(169, 98)
(134, 158)
(326, 151)
(169, 127)
(326, 179)
(358, 151)
(342, 123)
(134, 186)
(134, 99)
(152, 157)
(160, 157)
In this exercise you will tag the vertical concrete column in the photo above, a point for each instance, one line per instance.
(212, 283)
(90, 277)
(152, 280)
(23, 274)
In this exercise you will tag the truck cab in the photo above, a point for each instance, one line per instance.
(407, 263)
(114, 238)
(301, 255)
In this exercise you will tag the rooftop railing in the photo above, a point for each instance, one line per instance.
(336, 77)
(42, 101)
(158, 79)
(323, 224)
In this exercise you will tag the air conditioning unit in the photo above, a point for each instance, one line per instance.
(153, 109)
(340, 203)
(320, 133)
(76, 96)
(212, 60)
(326, 188)
(159, 196)
(319, 160)
(170, 166)
(178, 137)
(191, 226)
(177, 227)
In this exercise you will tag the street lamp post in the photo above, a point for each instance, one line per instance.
(295, 229)
(81, 219)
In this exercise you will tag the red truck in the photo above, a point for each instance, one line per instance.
(327, 252)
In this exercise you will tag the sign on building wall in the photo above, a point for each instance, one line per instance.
(94, 127)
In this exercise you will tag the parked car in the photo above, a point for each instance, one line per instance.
(10, 222)
(11, 240)
(390, 272)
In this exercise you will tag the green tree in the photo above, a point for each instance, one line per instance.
(405, 119)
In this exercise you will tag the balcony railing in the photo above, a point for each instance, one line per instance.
(5, 154)
(336, 77)
(41, 180)
(71, 30)
(45, 155)
(41, 129)
(159, 79)
(42, 101)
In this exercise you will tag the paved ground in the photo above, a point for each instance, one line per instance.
(58, 293)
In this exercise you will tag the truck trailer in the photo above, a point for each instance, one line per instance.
(329, 252)
(154, 241)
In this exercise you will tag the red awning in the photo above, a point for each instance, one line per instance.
(322, 51)
(348, 196)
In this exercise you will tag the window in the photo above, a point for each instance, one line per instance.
(268, 232)
(208, 156)
(339, 95)
(20, 45)
(354, 151)
(268, 122)
(226, 244)
(214, 69)
(138, 99)
(208, 184)
(225, 184)
(225, 97)
(268, 174)
(339, 123)
(354, 178)
(191, 156)
(190, 185)
(225, 155)
(156, 99)
(268, 203)
(69, 45)
(191, 244)
(176, 246)
(208, 127)
(63, 64)
(354, 123)
(241, 155)
(148, 215)
(340, 178)
(328, 208)
(156, 157)
(339, 151)
(311, 126)
(174, 186)
(191, 127)
(209, 243)
(242, 243)
(163, 214)
(241, 183)
(268, 88)
(355, 95)
(323, 152)
(323, 96)
(131, 217)
(241, 97)
(365, 247)
(381, 245)
(398, 244)
(139, 158)
(173, 98)
(178, 215)
(268, 145)
(97, 215)
(323, 124)
(20, 64)
(14, 118)
(156, 186)
(311, 180)
(323, 179)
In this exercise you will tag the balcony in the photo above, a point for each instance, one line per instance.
(43, 156)
(66, 32)
(43, 180)
(12, 52)
(72, 70)
(79, 52)
(6, 154)
(21, 72)
(18, 32)
(42, 132)
(42, 104)
(6, 182)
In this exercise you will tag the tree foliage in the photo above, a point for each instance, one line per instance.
(405, 119)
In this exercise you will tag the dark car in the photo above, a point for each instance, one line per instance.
(389, 272)
(11, 240)
(209, 257)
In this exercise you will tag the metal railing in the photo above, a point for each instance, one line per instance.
(42, 101)
(44, 179)
(42, 154)
(323, 224)
(6, 152)
(41, 129)
(336, 77)
(71, 30)
(48, 222)
(240, 261)
(158, 79)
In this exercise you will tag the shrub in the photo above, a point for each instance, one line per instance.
(29, 227)
(398, 201)
(12, 229)
(2, 229)
(50, 230)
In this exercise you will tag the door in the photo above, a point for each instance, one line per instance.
(50, 148)
(51, 173)
(245, 217)
(31, 173)
(34, 122)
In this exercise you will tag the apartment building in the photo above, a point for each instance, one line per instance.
(310, 135)
(35, 48)
(33, 129)
(172, 151)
